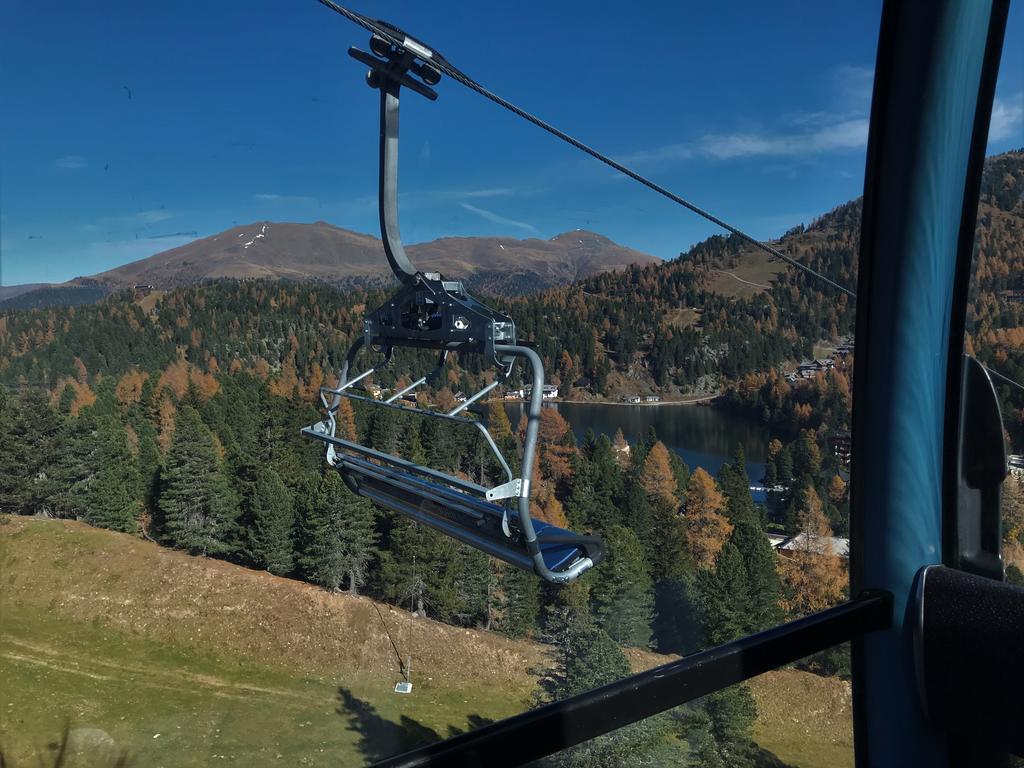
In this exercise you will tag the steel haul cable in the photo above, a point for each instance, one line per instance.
(389, 34)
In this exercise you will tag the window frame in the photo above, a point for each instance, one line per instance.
(909, 182)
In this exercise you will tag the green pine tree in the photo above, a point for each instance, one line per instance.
(587, 658)
(580, 506)
(268, 524)
(784, 464)
(518, 602)
(72, 474)
(592, 659)
(622, 595)
(677, 620)
(30, 433)
(357, 538)
(725, 599)
(759, 559)
(110, 496)
(732, 713)
(763, 584)
(337, 534)
(384, 430)
(148, 462)
(67, 397)
(198, 510)
(476, 587)
(638, 516)
(682, 472)
(669, 555)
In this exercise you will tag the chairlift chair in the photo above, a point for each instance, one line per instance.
(431, 312)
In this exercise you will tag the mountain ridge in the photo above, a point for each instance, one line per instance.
(323, 252)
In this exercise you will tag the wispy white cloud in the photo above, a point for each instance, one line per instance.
(129, 221)
(467, 194)
(152, 217)
(667, 153)
(1007, 118)
(841, 127)
(425, 152)
(844, 135)
(853, 86)
(172, 235)
(830, 136)
(478, 194)
(494, 218)
(70, 162)
(270, 197)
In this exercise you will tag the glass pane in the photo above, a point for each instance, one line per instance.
(995, 310)
(785, 717)
(184, 580)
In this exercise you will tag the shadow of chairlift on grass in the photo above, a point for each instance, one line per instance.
(380, 738)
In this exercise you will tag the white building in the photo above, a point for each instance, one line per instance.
(549, 392)
(822, 545)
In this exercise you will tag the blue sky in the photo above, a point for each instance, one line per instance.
(129, 126)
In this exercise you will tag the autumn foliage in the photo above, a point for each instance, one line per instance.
(815, 577)
(657, 477)
(707, 529)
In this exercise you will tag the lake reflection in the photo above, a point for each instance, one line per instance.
(703, 436)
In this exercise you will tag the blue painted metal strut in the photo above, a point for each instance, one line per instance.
(927, 80)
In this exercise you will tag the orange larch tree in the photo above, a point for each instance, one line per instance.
(657, 477)
(707, 529)
(814, 574)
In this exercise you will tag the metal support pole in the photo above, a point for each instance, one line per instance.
(388, 184)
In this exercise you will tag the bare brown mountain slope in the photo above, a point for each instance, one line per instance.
(323, 252)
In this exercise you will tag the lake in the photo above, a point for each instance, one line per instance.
(703, 436)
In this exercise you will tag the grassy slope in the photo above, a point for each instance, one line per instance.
(803, 719)
(106, 631)
(755, 270)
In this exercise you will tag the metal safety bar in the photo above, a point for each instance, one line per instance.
(554, 727)
(463, 406)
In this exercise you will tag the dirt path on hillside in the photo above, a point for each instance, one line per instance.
(63, 660)
(740, 279)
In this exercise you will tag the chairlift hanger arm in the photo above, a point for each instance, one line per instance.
(429, 312)
(388, 74)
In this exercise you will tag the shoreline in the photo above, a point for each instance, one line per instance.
(699, 400)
